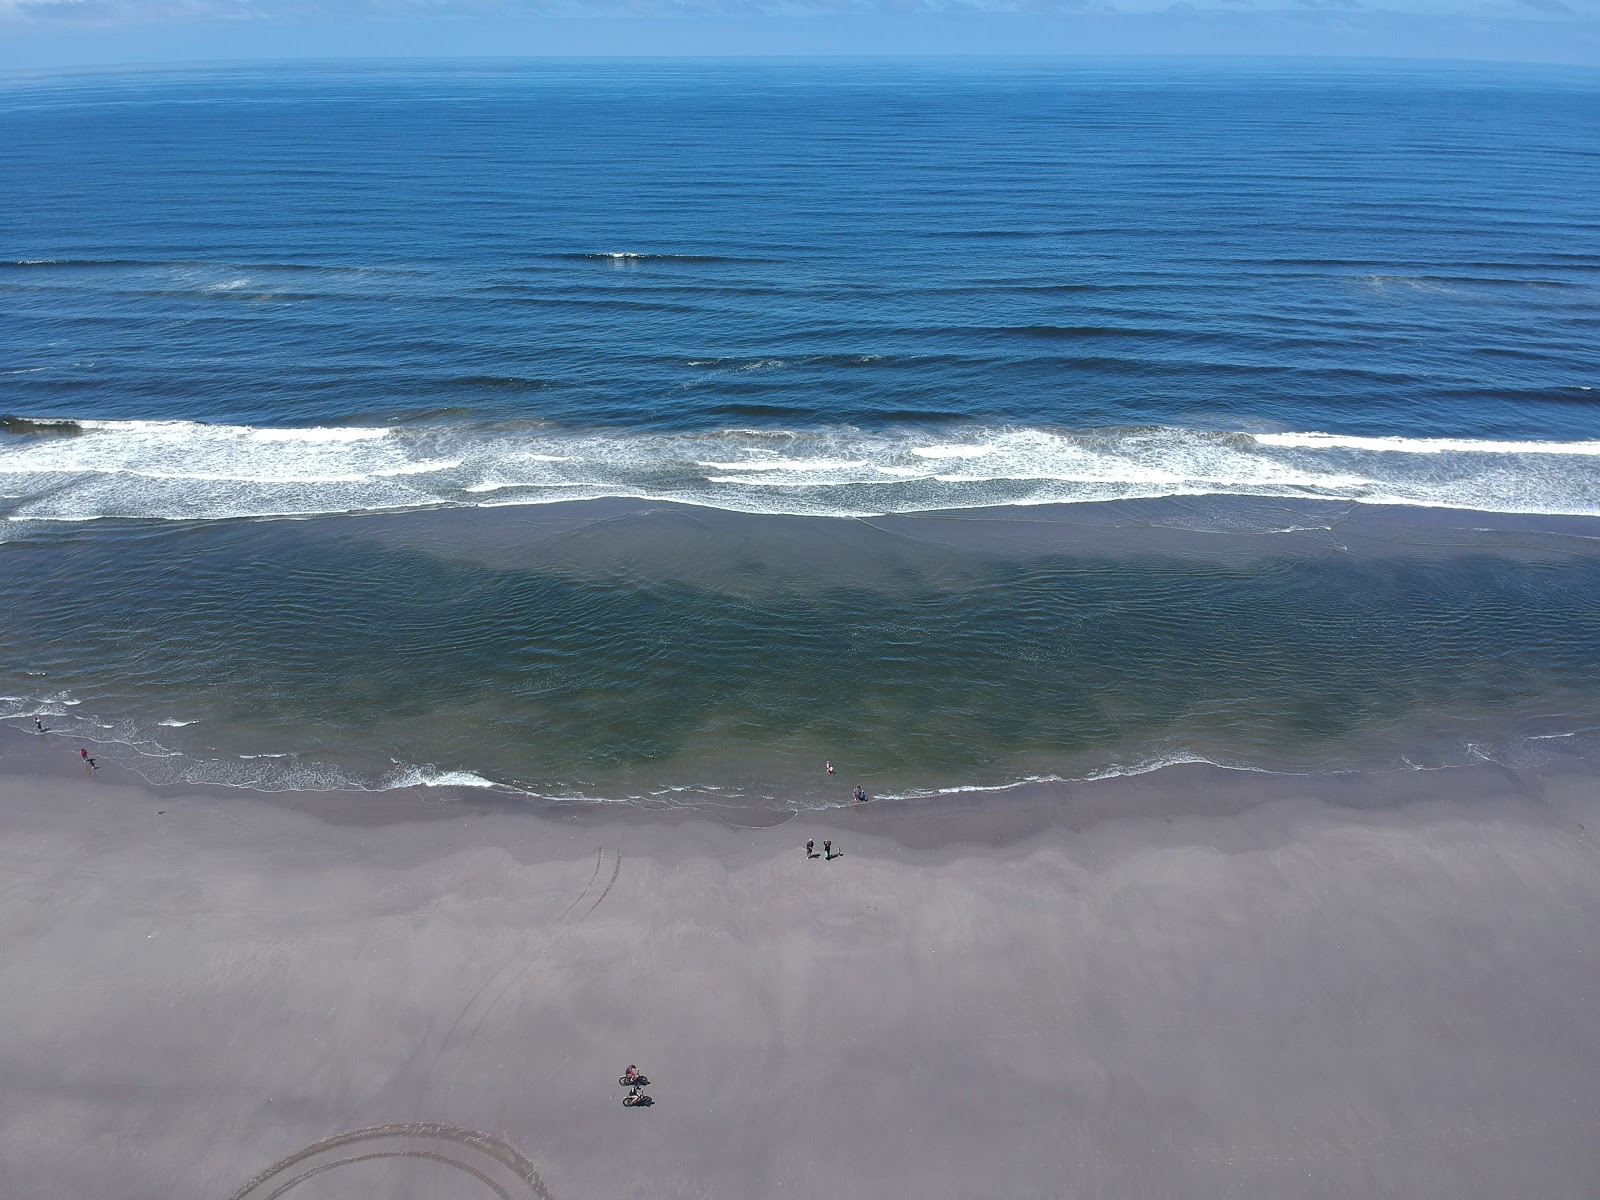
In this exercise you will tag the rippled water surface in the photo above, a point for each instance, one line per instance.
(810, 294)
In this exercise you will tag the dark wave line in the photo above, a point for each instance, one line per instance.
(755, 410)
(29, 264)
(35, 426)
(977, 234)
(628, 256)
(1478, 280)
(234, 294)
(501, 383)
(1082, 331)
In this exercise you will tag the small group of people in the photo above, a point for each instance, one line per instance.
(83, 751)
(828, 852)
(635, 1083)
(859, 792)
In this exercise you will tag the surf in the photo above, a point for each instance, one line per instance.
(188, 470)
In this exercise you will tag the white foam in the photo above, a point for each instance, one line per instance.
(182, 470)
(787, 464)
(1405, 445)
(319, 434)
(173, 724)
(429, 777)
(420, 468)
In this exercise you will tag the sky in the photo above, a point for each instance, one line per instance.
(53, 34)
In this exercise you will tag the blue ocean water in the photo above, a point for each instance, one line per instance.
(788, 289)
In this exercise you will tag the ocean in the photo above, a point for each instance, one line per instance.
(658, 431)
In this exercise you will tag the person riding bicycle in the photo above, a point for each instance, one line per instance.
(633, 1073)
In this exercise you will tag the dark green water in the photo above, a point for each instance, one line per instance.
(692, 656)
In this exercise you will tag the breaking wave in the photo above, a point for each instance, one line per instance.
(65, 470)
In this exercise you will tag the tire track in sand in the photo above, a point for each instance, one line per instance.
(615, 871)
(476, 1001)
(500, 1167)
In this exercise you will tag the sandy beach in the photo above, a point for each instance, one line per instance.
(1290, 995)
(460, 505)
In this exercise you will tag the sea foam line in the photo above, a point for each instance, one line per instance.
(1408, 445)
(62, 470)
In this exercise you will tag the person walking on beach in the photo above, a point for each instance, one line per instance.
(84, 754)
(38, 724)
(827, 849)
(811, 848)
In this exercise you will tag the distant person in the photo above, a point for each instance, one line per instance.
(827, 849)
(811, 848)
(860, 794)
(829, 765)
(39, 725)
(84, 754)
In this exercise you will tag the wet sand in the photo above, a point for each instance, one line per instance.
(1315, 989)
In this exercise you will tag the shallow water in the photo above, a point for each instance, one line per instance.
(689, 657)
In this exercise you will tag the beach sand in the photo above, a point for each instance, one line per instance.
(1281, 998)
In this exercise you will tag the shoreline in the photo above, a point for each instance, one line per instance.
(957, 818)
(1366, 992)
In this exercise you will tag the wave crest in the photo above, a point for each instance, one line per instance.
(193, 471)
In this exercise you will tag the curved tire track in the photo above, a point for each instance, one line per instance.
(444, 1042)
(478, 1020)
(528, 965)
(599, 858)
(500, 1167)
(615, 871)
